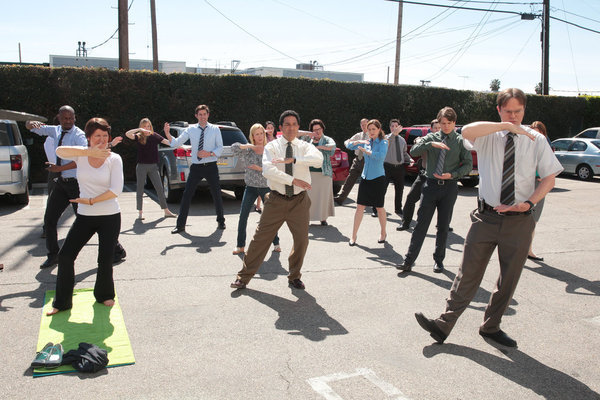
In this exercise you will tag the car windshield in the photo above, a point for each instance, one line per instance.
(6, 135)
(596, 143)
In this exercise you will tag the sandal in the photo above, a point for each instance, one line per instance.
(238, 250)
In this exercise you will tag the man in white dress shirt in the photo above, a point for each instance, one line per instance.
(286, 163)
(509, 154)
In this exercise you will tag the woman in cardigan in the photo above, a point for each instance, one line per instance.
(321, 193)
(147, 163)
(100, 178)
(256, 183)
(371, 191)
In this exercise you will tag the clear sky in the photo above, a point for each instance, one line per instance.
(451, 48)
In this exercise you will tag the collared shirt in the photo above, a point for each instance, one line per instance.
(458, 161)
(252, 177)
(212, 141)
(73, 137)
(391, 157)
(357, 136)
(374, 162)
(326, 168)
(306, 156)
(530, 155)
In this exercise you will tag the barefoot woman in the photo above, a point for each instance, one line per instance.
(100, 177)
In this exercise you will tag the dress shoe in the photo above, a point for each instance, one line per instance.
(438, 267)
(221, 225)
(297, 283)
(500, 337)
(402, 227)
(178, 229)
(51, 261)
(382, 240)
(450, 229)
(430, 326)
(339, 201)
(237, 284)
(374, 214)
(535, 258)
(324, 223)
(351, 243)
(405, 266)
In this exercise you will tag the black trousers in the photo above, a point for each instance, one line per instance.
(442, 198)
(412, 198)
(58, 201)
(107, 227)
(355, 171)
(210, 172)
(395, 174)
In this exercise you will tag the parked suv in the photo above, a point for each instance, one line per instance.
(413, 132)
(14, 163)
(590, 133)
(174, 164)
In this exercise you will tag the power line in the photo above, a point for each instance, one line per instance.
(574, 24)
(457, 7)
(250, 34)
(114, 33)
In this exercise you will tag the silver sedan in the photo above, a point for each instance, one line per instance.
(578, 156)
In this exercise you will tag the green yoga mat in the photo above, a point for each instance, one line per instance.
(88, 321)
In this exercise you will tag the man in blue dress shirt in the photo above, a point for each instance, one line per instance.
(207, 145)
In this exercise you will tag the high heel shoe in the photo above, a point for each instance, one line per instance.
(352, 243)
(382, 240)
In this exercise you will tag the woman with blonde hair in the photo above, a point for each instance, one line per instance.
(147, 163)
(537, 210)
(371, 190)
(256, 184)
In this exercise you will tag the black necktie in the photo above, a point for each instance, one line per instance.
(398, 154)
(507, 195)
(201, 141)
(62, 136)
(289, 169)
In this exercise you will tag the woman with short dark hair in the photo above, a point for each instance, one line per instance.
(100, 178)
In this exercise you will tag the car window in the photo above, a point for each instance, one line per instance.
(4, 132)
(578, 145)
(596, 143)
(412, 135)
(590, 134)
(231, 136)
(561, 145)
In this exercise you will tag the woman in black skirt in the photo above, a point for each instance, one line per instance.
(371, 191)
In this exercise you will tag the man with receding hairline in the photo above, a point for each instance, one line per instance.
(508, 154)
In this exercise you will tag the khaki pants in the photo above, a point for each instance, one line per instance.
(279, 209)
(512, 236)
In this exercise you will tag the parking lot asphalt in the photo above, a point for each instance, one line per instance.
(350, 335)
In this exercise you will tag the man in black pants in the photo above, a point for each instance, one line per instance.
(447, 161)
(207, 145)
(395, 159)
(66, 187)
(357, 164)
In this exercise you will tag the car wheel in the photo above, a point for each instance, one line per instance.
(172, 195)
(584, 172)
(336, 188)
(239, 193)
(469, 182)
(23, 198)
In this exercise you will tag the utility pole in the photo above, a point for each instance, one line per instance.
(123, 36)
(154, 36)
(546, 48)
(398, 42)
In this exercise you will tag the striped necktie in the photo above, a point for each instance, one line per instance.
(439, 168)
(201, 141)
(507, 195)
(289, 169)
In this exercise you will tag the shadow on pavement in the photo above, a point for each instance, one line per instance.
(301, 317)
(523, 370)
(573, 281)
(203, 244)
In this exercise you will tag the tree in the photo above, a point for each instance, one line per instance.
(538, 88)
(495, 85)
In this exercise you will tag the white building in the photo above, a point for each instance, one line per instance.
(113, 63)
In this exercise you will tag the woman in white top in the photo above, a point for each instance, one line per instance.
(100, 177)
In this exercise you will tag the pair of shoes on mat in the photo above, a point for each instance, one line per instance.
(50, 356)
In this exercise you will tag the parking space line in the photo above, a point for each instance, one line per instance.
(321, 384)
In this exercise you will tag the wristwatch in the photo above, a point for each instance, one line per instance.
(531, 205)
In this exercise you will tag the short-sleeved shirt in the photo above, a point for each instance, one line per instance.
(530, 156)
(95, 181)
(148, 153)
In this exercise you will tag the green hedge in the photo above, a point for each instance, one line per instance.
(124, 97)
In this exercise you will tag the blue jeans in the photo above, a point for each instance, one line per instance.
(250, 195)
